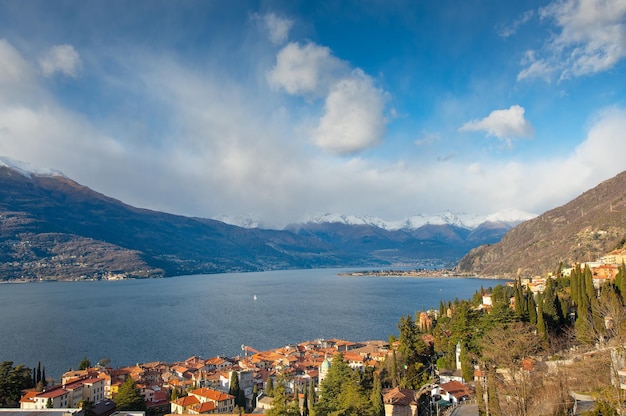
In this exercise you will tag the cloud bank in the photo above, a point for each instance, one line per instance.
(203, 140)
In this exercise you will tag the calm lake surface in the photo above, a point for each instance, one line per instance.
(135, 321)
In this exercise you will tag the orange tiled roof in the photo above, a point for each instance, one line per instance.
(186, 401)
(29, 397)
(211, 394)
(204, 407)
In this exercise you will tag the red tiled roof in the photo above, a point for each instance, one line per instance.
(399, 396)
(458, 390)
(53, 393)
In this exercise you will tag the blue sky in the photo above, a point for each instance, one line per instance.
(278, 109)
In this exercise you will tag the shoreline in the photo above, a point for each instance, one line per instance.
(423, 273)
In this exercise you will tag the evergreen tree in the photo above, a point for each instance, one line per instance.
(376, 397)
(43, 377)
(532, 308)
(84, 364)
(49, 403)
(233, 389)
(38, 372)
(241, 400)
(311, 396)
(394, 370)
(590, 289)
(305, 402)
(282, 405)
(342, 392)
(269, 387)
(541, 324)
(87, 406)
(519, 300)
(414, 352)
(620, 280)
(129, 397)
(12, 381)
(575, 284)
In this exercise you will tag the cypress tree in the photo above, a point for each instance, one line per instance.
(376, 397)
(240, 399)
(305, 402)
(38, 372)
(233, 388)
(541, 325)
(620, 280)
(532, 309)
(574, 284)
(519, 304)
(269, 387)
(590, 289)
(394, 370)
(311, 395)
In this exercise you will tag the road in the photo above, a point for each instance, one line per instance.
(465, 410)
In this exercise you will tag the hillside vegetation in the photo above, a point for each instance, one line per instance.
(582, 230)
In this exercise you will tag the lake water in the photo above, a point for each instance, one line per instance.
(131, 321)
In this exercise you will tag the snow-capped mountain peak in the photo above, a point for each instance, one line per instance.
(469, 221)
(243, 221)
(26, 169)
(343, 219)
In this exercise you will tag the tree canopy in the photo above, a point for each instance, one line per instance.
(129, 397)
(12, 381)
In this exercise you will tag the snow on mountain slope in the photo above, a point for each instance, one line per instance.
(343, 219)
(26, 169)
(469, 221)
(244, 221)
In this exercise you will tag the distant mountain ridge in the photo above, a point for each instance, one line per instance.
(54, 228)
(582, 230)
(510, 217)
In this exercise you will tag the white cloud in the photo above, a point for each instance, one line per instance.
(591, 39)
(353, 119)
(61, 59)
(427, 139)
(503, 124)
(306, 70)
(278, 27)
(506, 31)
(13, 67)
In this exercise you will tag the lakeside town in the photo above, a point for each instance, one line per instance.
(407, 273)
(262, 381)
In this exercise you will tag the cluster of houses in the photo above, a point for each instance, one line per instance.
(201, 386)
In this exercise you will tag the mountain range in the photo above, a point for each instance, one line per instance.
(51, 227)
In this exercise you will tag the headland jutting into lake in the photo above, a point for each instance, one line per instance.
(408, 273)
